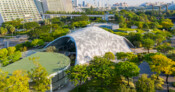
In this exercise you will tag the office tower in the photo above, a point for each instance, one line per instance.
(18, 9)
(84, 3)
(57, 5)
(99, 4)
(39, 6)
(76, 3)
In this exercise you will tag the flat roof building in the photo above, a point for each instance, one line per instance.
(57, 5)
(18, 9)
(55, 64)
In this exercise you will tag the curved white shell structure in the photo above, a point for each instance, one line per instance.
(95, 41)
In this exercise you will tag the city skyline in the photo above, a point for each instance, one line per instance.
(130, 2)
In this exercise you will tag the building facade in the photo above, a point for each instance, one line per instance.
(18, 9)
(76, 3)
(39, 6)
(57, 5)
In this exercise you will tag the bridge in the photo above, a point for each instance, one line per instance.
(104, 17)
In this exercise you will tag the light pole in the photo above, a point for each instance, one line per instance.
(50, 84)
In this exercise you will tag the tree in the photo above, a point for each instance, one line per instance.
(135, 38)
(169, 69)
(148, 43)
(146, 26)
(3, 81)
(39, 76)
(145, 84)
(164, 48)
(167, 23)
(159, 63)
(81, 18)
(109, 56)
(37, 42)
(159, 38)
(100, 69)
(127, 69)
(11, 50)
(31, 25)
(11, 29)
(78, 74)
(15, 57)
(3, 53)
(124, 88)
(19, 81)
(3, 31)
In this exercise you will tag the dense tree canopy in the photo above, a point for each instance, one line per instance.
(78, 74)
(127, 69)
(145, 84)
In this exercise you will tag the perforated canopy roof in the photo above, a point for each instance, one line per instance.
(95, 41)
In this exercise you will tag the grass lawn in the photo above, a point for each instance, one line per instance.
(53, 62)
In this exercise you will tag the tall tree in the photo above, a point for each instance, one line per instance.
(3, 31)
(127, 69)
(167, 23)
(11, 29)
(159, 63)
(39, 76)
(100, 69)
(164, 48)
(169, 69)
(78, 74)
(148, 43)
(3, 81)
(145, 84)
(19, 81)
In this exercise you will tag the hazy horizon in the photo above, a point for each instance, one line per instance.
(130, 2)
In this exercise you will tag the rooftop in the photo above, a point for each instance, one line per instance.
(53, 62)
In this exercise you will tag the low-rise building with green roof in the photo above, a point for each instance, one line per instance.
(54, 63)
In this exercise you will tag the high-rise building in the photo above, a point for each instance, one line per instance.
(84, 3)
(57, 5)
(99, 4)
(76, 3)
(18, 9)
(39, 6)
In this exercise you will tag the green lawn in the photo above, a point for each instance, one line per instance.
(53, 62)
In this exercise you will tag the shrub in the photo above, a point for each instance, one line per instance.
(37, 42)
(5, 61)
(15, 57)
(127, 57)
(157, 82)
(11, 50)
(124, 88)
(3, 53)
(109, 56)
(173, 84)
(51, 49)
(23, 46)
(121, 33)
(171, 90)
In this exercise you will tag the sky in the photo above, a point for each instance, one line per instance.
(130, 2)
